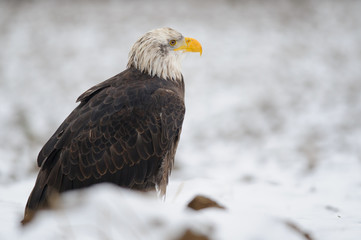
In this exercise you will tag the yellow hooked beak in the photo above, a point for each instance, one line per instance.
(190, 45)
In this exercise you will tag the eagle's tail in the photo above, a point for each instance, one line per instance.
(38, 198)
(43, 194)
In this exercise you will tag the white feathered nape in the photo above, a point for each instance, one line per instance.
(153, 54)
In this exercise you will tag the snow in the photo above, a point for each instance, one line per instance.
(272, 129)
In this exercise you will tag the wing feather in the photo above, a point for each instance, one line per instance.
(122, 132)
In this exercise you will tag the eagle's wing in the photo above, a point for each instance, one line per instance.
(122, 135)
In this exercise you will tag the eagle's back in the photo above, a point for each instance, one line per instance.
(124, 131)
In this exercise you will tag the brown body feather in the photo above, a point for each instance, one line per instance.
(125, 131)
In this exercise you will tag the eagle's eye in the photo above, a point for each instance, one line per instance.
(172, 42)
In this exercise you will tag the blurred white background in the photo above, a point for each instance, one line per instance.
(274, 100)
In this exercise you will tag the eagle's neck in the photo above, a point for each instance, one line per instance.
(156, 61)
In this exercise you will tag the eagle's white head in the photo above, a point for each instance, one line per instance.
(159, 53)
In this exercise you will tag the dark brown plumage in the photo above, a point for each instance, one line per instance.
(124, 131)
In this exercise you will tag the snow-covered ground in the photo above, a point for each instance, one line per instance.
(272, 129)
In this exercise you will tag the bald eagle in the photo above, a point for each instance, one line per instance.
(125, 130)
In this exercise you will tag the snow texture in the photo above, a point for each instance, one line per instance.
(272, 129)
